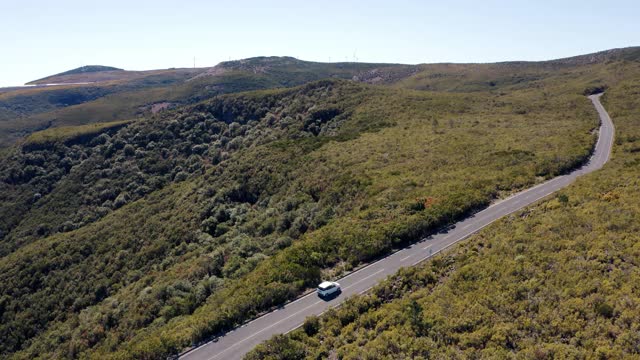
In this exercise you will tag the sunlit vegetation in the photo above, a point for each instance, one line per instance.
(27, 110)
(125, 95)
(67, 76)
(130, 94)
(556, 280)
(138, 240)
(70, 134)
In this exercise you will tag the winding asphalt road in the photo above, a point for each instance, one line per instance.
(235, 344)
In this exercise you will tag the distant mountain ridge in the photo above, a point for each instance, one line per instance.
(81, 70)
(30, 109)
(88, 69)
(286, 64)
(628, 54)
(99, 73)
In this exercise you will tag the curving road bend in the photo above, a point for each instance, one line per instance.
(235, 344)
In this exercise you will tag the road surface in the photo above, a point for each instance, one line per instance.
(235, 344)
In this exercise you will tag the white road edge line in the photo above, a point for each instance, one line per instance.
(263, 330)
(406, 257)
(363, 279)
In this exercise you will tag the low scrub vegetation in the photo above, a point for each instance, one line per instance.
(139, 240)
(69, 135)
(556, 280)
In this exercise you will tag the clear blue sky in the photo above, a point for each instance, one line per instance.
(39, 38)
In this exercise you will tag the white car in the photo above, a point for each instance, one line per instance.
(328, 288)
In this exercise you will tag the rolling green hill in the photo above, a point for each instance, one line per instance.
(113, 95)
(556, 280)
(60, 78)
(131, 234)
(96, 74)
(25, 110)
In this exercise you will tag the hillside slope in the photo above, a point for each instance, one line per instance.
(98, 73)
(81, 74)
(25, 110)
(113, 95)
(557, 280)
(138, 237)
(241, 227)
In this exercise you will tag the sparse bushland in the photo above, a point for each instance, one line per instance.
(556, 280)
(178, 226)
(318, 179)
